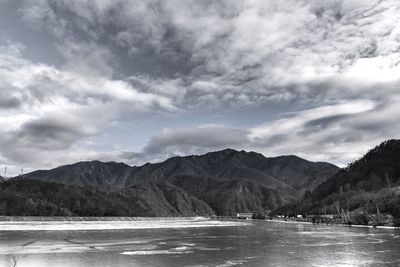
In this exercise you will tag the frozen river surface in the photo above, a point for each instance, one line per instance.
(195, 243)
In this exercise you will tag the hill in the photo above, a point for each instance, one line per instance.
(229, 197)
(96, 174)
(378, 169)
(24, 197)
(366, 188)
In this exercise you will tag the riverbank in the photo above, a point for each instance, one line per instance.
(108, 223)
(85, 219)
(338, 224)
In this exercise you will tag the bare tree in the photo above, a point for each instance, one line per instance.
(337, 207)
(378, 215)
(387, 179)
(13, 260)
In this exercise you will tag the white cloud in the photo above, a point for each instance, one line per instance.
(381, 69)
(337, 61)
(338, 133)
(297, 122)
(242, 52)
(55, 109)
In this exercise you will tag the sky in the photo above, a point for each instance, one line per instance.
(140, 81)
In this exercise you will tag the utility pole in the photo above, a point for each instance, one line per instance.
(5, 173)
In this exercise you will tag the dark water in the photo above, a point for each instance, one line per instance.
(257, 244)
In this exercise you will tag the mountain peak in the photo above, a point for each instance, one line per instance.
(226, 151)
(97, 162)
(231, 152)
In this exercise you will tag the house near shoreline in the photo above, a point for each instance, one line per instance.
(244, 215)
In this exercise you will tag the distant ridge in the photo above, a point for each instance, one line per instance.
(222, 182)
(284, 172)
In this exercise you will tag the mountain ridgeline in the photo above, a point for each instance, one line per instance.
(222, 183)
(285, 173)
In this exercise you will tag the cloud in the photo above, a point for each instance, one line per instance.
(45, 83)
(337, 133)
(237, 54)
(9, 101)
(193, 140)
(45, 110)
(319, 133)
(87, 58)
(334, 64)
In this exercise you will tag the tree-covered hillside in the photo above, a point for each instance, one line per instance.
(368, 187)
(25, 197)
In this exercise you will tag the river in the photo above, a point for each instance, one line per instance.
(196, 243)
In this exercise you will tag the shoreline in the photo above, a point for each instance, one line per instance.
(16, 223)
(109, 224)
(337, 224)
(92, 219)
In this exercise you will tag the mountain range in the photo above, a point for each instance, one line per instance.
(284, 173)
(222, 182)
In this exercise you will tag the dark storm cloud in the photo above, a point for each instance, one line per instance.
(50, 133)
(8, 102)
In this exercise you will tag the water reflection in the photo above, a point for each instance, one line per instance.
(258, 244)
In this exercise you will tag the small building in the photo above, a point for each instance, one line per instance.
(244, 215)
(327, 216)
